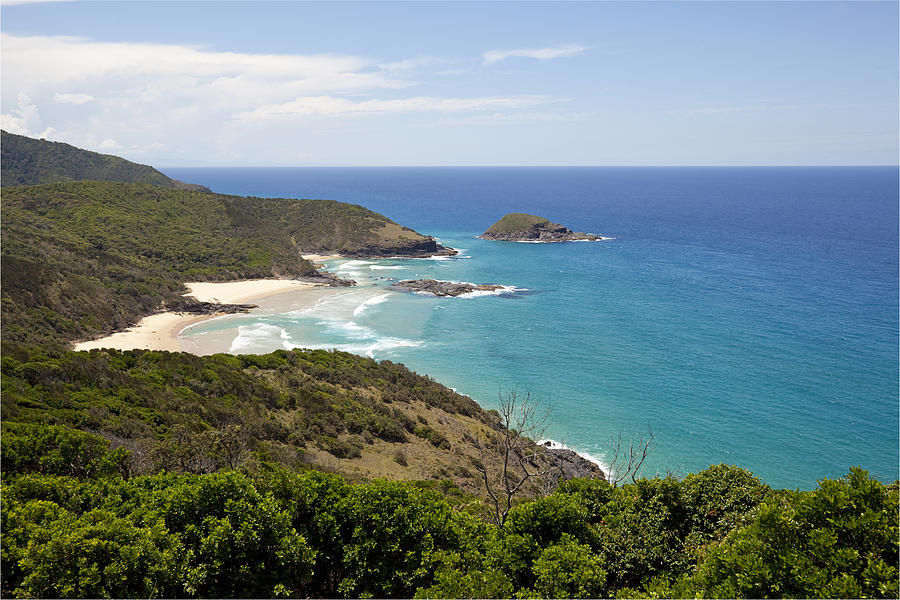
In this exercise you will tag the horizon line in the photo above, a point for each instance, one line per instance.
(816, 166)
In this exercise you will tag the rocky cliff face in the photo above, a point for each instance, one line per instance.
(572, 465)
(420, 248)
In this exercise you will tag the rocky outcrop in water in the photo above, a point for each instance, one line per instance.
(444, 288)
(519, 227)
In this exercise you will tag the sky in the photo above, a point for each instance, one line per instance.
(456, 84)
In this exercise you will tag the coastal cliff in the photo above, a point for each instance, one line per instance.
(521, 227)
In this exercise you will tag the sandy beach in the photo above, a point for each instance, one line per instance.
(241, 292)
(318, 258)
(160, 331)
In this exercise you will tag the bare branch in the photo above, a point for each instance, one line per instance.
(625, 465)
(521, 422)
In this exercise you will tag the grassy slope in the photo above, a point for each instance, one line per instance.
(28, 161)
(84, 258)
(328, 410)
(514, 222)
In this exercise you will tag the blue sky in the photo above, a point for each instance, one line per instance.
(345, 83)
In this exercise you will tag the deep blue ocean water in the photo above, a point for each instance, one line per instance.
(749, 315)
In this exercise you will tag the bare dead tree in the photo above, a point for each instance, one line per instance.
(628, 462)
(522, 420)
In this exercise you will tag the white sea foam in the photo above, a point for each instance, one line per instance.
(333, 304)
(254, 335)
(386, 267)
(506, 289)
(600, 238)
(356, 263)
(382, 344)
(354, 330)
(367, 304)
(554, 445)
(352, 269)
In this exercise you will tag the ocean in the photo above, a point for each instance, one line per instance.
(749, 316)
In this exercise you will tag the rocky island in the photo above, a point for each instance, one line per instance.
(444, 288)
(520, 227)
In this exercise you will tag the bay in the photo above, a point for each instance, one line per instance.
(748, 315)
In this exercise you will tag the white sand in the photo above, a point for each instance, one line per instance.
(160, 331)
(239, 292)
(316, 258)
(156, 332)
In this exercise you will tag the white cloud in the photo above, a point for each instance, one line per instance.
(548, 53)
(408, 64)
(25, 119)
(330, 106)
(73, 98)
(34, 62)
(16, 2)
(149, 102)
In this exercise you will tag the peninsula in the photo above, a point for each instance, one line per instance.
(521, 227)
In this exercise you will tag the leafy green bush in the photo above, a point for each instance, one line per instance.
(57, 450)
(839, 541)
(312, 534)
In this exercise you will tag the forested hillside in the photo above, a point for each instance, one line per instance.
(29, 161)
(85, 258)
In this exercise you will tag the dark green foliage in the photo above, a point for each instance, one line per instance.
(40, 448)
(435, 437)
(280, 533)
(28, 161)
(840, 541)
(225, 535)
(514, 222)
(568, 569)
(56, 553)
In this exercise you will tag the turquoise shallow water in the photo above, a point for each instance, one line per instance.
(748, 315)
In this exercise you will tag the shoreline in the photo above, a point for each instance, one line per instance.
(160, 331)
(318, 258)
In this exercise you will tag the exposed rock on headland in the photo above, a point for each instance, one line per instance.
(444, 288)
(572, 465)
(418, 247)
(520, 227)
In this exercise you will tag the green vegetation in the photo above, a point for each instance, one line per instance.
(158, 474)
(186, 413)
(269, 532)
(27, 161)
(86, 258)
(514, 222)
